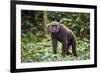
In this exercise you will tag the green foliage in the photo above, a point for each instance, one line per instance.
(36, 47)
(41, 51)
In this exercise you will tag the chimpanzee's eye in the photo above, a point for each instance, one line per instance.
(54, 26)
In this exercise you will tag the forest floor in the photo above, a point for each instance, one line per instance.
(38, 49)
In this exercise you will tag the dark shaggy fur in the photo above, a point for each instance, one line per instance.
(61, 33)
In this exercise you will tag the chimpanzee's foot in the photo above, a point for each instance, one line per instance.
(75, 54)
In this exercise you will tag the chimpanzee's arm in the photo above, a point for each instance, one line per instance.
(64, 46)
(54, 44)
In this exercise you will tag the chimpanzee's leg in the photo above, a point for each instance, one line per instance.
(74, 47)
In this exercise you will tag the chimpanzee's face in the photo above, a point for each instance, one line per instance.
(54, 27)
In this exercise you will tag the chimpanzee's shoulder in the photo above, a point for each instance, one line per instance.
(62, 26)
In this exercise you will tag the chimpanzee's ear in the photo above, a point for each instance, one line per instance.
(58, 26)
(48, 25)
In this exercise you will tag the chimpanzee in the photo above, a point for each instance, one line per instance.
(61, 33)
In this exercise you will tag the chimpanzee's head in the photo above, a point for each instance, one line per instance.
(54, 27)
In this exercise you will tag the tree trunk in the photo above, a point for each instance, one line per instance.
(45, 23)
